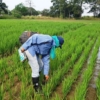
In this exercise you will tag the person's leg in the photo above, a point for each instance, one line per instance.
(40, 63)
(41, 69)
(35, 69)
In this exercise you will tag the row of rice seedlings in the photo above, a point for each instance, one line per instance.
(23, 75)
(82, 87)
(15, 70)
(67, 83)
(1, 92)
(17, 65)
(37, 26)
(57, 97)
(10, 85)
(9, 69)
(71, 78)
(19, 73)
(98, 87)
(55, 80)
(13, 34)
(8, 47)
(92, 35)
(70, 47)
(21, 70)
(2, 66)
(23, 92)
(8, 66)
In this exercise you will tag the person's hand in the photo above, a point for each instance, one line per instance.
(46, 77)
(22, 49)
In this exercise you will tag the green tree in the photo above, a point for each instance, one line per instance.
(33, 11)
(30, 6)
(69, 10)
(16, 13)
(54, 11)
(22, 9)
(3, 7)
(66, 8)
(45, 12)
(59, 7)
(95, 7)
(77, 11)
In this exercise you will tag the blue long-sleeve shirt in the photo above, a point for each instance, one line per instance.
(40, 44)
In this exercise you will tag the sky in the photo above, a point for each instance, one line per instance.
(86, 10)
(37, 5)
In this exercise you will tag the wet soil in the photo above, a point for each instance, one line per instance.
(91, 92)
(15, 90)
(58, 89)
(71, 94)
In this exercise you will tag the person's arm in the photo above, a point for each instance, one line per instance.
(46, 60)
(26, 45)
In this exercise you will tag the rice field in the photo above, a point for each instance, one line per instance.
(74, 73)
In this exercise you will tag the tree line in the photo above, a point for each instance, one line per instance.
(59, 8)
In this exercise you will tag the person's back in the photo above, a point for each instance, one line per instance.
(39, 43)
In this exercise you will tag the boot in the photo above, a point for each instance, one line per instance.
(35, 82)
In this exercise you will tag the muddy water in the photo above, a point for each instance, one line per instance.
(91, 93)
(96, 70)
